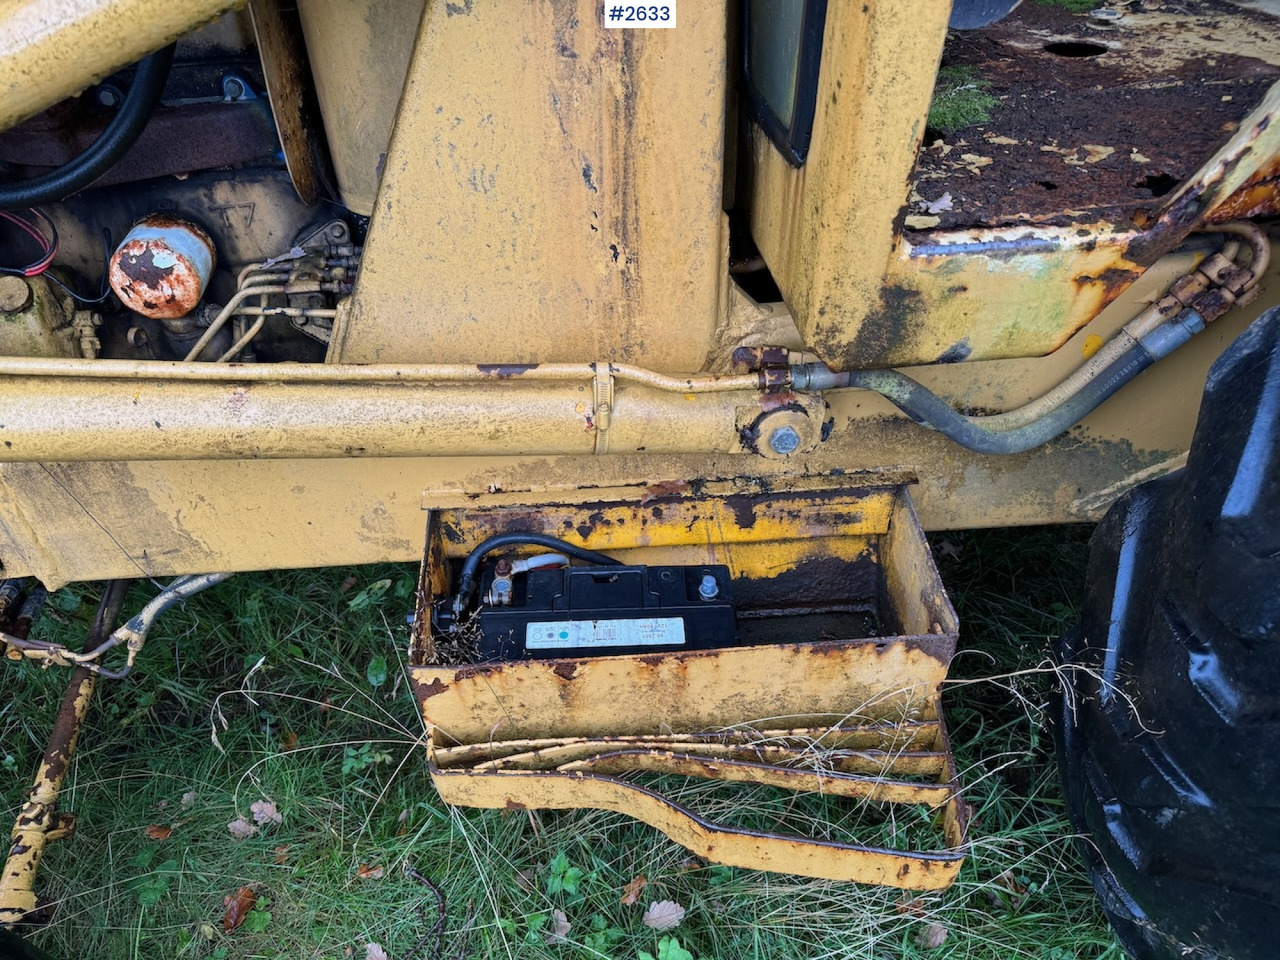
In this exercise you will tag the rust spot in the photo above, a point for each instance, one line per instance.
(565, 669)
(779, 401)
(744, 509)
(515, 805)
(1259, 196)
(161, 268)
(505, 371)
(1113, 280)
(667, 488)
(1036, 168)
(432, 689)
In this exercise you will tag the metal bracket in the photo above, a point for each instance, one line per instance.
(602, 397)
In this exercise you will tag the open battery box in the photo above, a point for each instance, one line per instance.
(824, 687)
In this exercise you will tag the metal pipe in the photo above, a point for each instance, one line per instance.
(101, 155)
(53, 49)
(37, 822)
(174, 370)
(138, 418)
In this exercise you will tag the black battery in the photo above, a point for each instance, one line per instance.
(603, 611)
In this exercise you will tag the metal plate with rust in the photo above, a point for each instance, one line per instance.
(844, 708)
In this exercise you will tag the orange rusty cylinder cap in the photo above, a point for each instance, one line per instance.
(162, 267)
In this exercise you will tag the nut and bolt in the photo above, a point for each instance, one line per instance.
(784, 440)
(709, 589)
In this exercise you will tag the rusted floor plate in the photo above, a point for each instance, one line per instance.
(1099, 130)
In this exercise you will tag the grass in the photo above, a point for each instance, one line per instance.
(960, 99)
(1075, 6)
(302, 686)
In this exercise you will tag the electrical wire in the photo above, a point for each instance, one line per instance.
(48, 244)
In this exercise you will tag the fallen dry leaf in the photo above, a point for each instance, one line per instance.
(369, 872)
(238, 905)
(917, 222)
(663, 915)
(1136, 157)
(941, 205)
(913, 906)
(631, 892)
(206, 930)
(374, 951)
(347, 584)
(1094, 152)
(241, 829)
(188, 798)
(1007, 880)
(526, 879)
(282, 854)
(265, 813)
(403, 820)
(157, 832)
(288, 742)
(932, 937)
(560, 927)
(1003, 141)
(691, 863)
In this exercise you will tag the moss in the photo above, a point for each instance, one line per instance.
(960, 99)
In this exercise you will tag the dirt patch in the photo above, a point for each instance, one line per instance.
(1093, 123)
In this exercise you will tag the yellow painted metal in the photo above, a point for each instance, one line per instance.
(92, 520)
(38, 821)
(135, 416)
(359, 55)
(552, 193)
(858, 714)
(52, 49)
(867, 295)
(827, 229)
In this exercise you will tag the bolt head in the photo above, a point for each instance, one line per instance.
(15, 294)
(708, 589)
(784, 440)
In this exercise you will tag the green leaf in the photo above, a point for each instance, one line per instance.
(561, 877)
(720, 875)
(669, 949)
(257, 920)
(376, 672)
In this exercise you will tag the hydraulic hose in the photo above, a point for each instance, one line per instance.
(467, 581)
(928, 409)
(112, 144)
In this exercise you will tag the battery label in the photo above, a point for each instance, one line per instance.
(570, 634)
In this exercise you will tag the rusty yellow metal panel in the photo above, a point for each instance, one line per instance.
(359, 55)
(866, 294)
(93, 520)
(552, 193)
(53, 49)
(827, 229)
(846, 718)
(789, 685)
